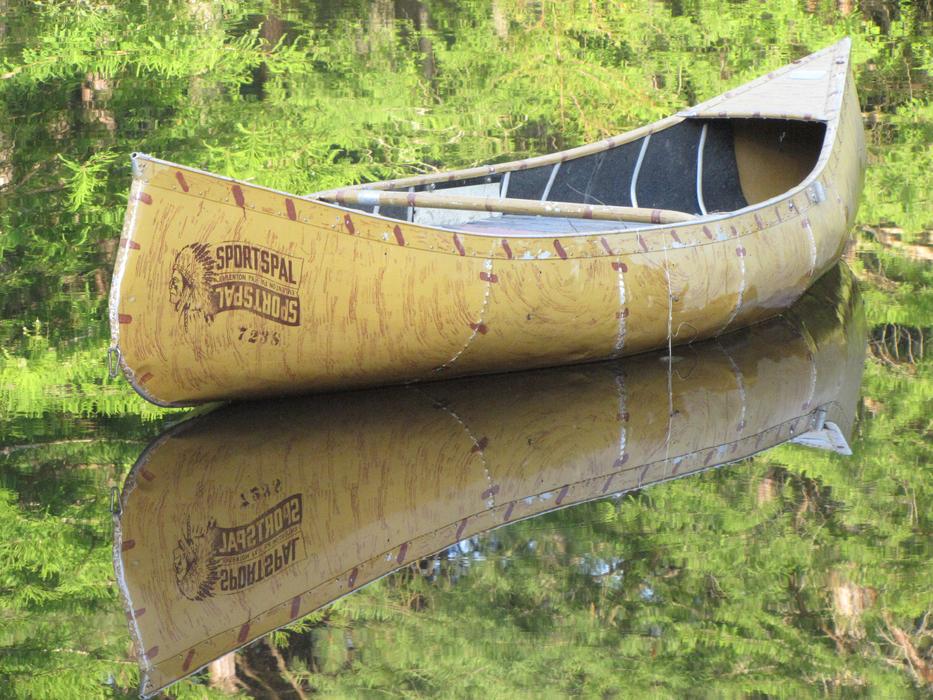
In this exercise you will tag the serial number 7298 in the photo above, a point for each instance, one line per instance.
(254, 335)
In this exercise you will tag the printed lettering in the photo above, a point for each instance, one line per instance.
(229, 559)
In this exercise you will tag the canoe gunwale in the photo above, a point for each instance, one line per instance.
(632, 230)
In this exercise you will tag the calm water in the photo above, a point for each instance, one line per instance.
(720, 560)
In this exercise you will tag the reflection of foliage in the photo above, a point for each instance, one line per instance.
(40, 379)
(791, 574)
(899, 300)
(84, 179)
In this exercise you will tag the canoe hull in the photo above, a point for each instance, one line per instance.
(223, 289)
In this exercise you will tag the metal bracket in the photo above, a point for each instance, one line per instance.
(816, 192)
(114, 501)
(113, 361)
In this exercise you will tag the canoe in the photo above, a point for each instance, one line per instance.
(242, 520)
(709, 220)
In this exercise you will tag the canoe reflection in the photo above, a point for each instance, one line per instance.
(237, 522)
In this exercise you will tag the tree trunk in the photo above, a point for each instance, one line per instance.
(271, 31)
(500, 21)
(223, 673)
(6, 160)
(428, 63)
(202, 90)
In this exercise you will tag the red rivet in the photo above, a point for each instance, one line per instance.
(238, 196)
(562, 495)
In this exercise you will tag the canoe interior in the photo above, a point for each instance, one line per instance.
(741, 162)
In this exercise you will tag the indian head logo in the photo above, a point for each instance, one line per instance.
(211, 279)
(191, 290)
(209, 560)
(194, 563)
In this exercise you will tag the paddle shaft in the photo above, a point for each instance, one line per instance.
(439, 200)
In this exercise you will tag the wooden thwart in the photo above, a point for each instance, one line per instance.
(439, 200)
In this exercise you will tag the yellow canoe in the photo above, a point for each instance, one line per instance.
(240, 521)
(707, 221)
